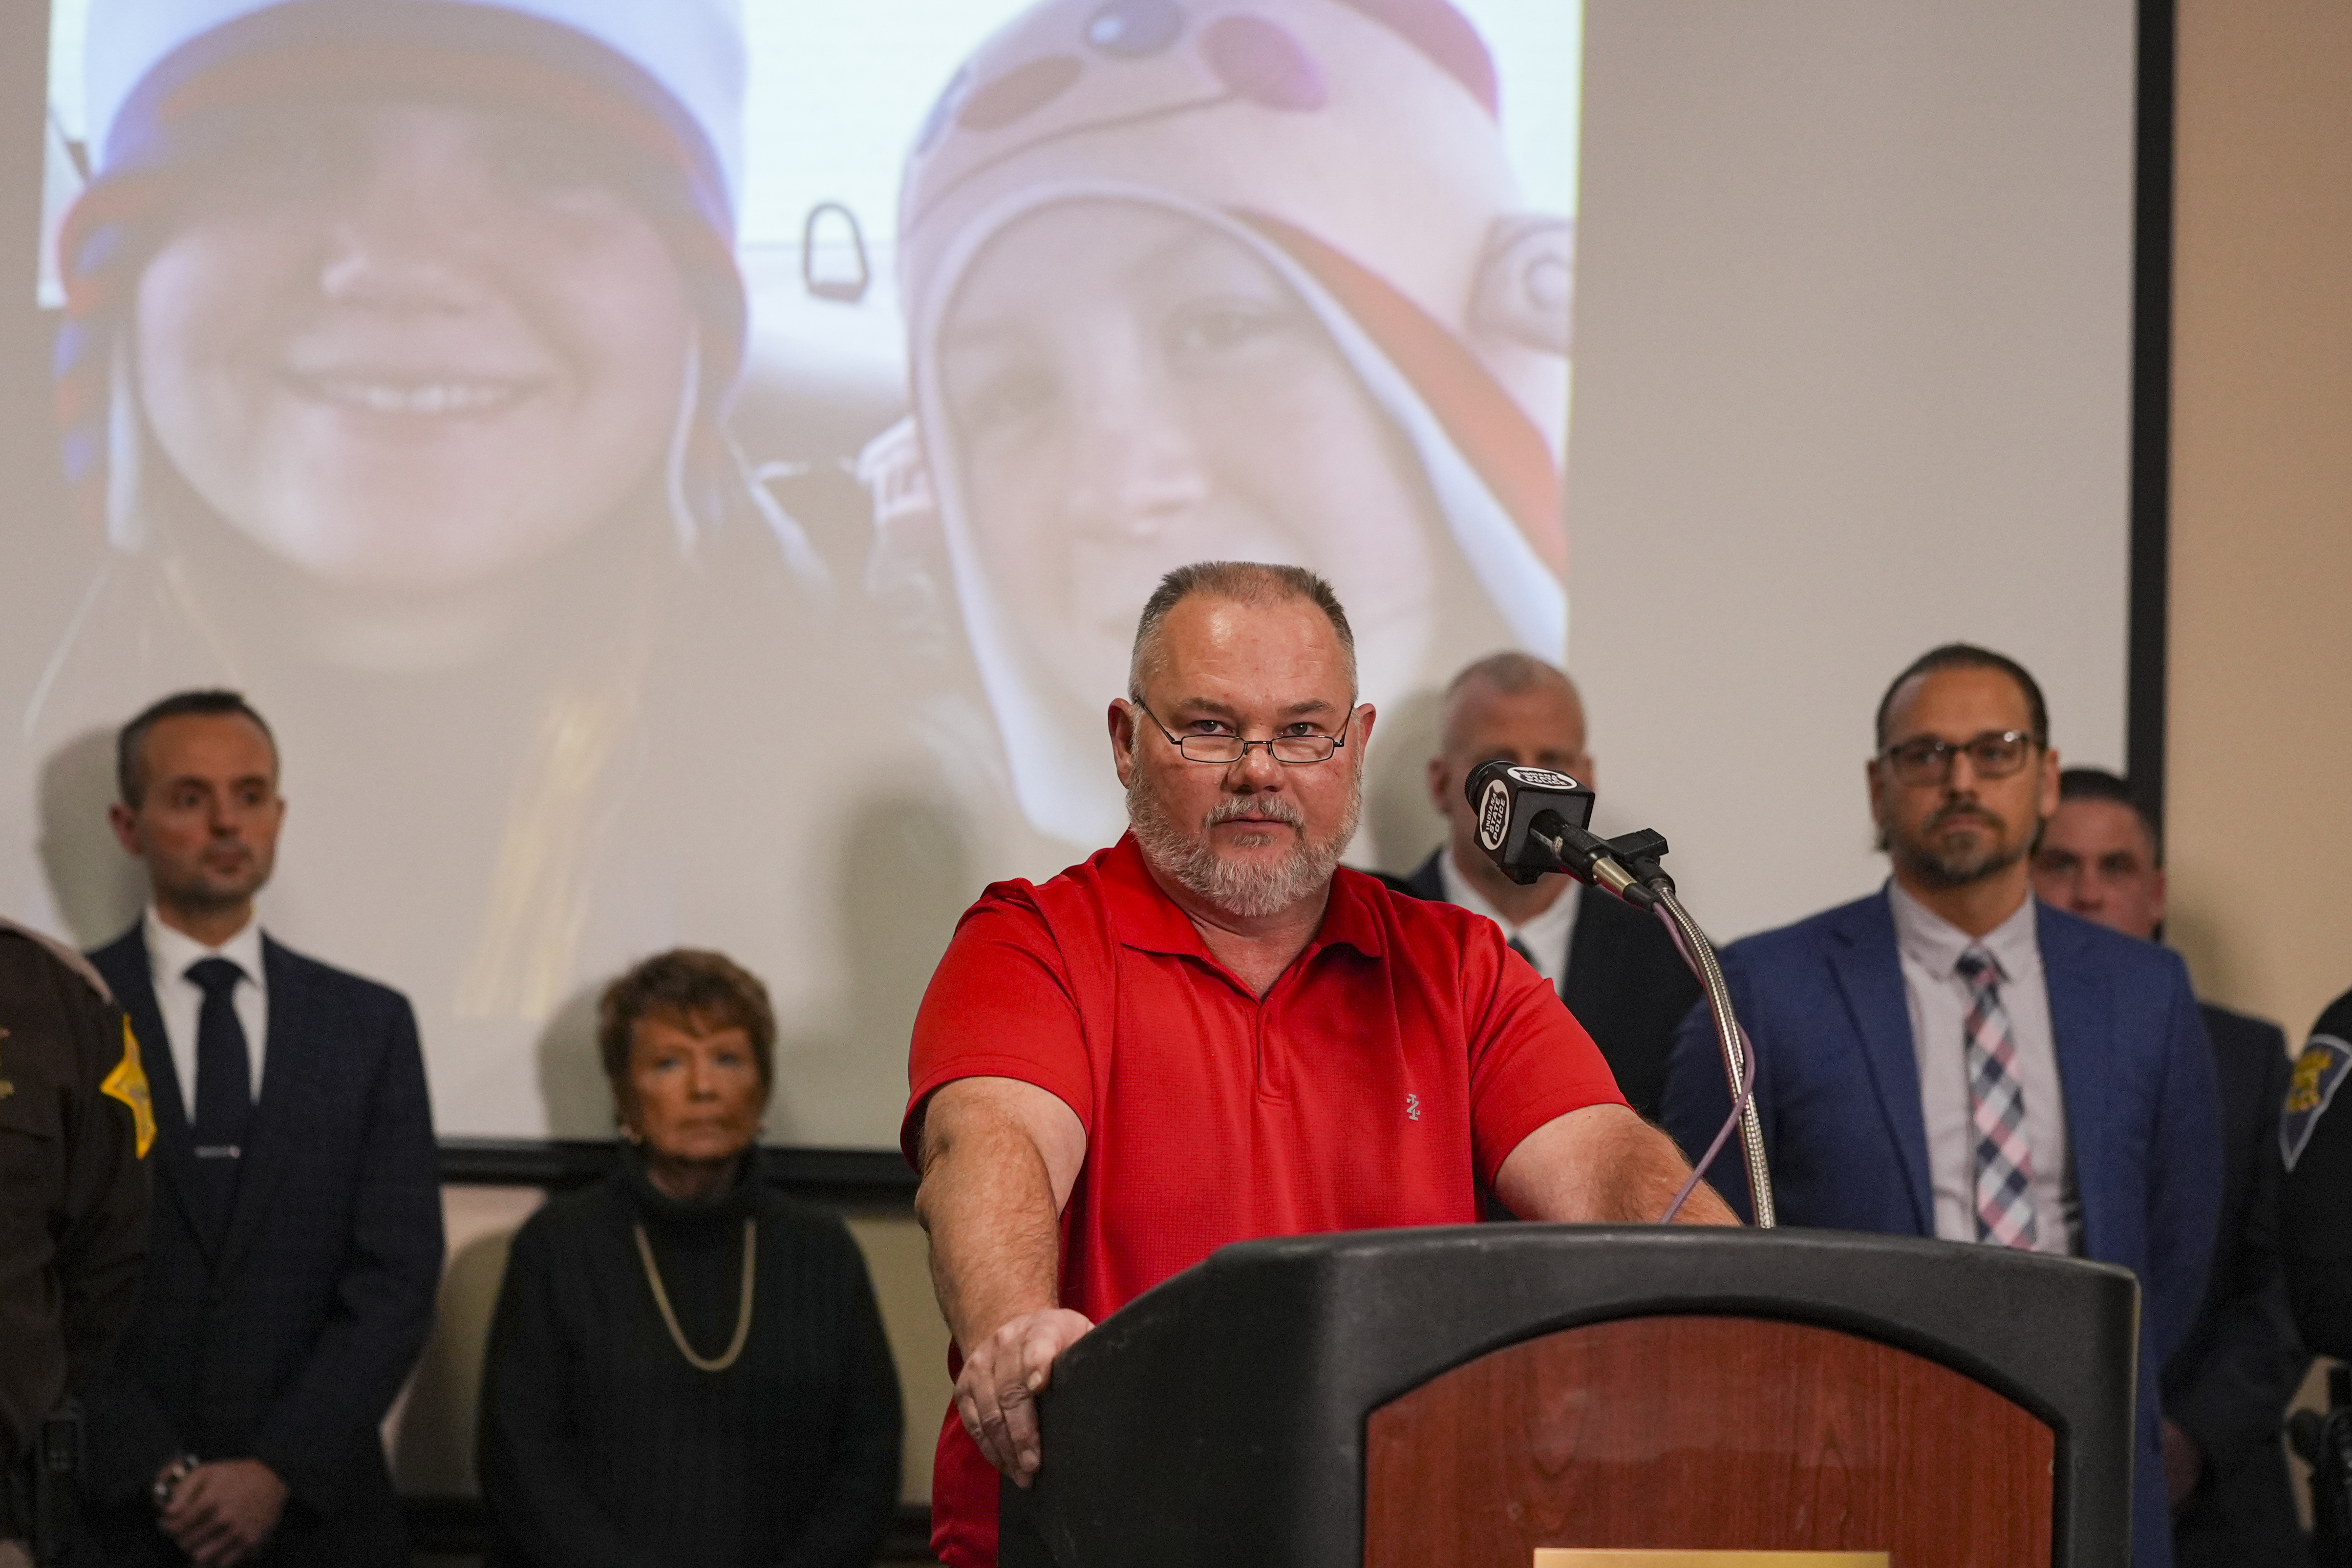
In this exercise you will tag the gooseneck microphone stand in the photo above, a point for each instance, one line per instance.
(1628, 867)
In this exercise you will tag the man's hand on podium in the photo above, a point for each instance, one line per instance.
(997, 1393)
(1000, 1157)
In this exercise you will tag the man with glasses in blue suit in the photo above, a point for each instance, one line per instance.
(1950, 1057)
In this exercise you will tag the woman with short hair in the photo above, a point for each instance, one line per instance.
(687, 1366)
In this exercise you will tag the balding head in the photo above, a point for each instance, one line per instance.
(1239, 582)
(1512, 677)
(1253, 672)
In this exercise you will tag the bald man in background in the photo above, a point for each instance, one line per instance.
(1613, 965)
(2226, 1389)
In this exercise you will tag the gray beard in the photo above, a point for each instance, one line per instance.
(1246, 892)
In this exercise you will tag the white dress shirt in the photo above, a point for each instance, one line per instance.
(1547, 936)
(180, 999)
(1931, 948)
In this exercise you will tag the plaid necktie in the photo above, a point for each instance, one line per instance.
(1996, 1106)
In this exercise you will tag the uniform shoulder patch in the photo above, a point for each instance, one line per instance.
(128, 1083)
(2318, 1072)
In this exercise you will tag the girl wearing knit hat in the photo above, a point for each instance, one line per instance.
(407, 292)
(397, 341)
(1198, 278)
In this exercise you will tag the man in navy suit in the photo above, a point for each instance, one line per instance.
(295, 1244)
(2226, 1388)
(1948, 1058)
(1614, 967)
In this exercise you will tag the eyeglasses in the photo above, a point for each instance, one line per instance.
(1995, 754)
(1227, 749)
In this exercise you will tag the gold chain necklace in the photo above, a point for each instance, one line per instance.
(742, 1313)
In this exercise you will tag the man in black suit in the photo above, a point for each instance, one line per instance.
(2226, 1390)
(296, 1243)
(1614, 967)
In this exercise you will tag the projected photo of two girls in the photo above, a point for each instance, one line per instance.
(683, 474)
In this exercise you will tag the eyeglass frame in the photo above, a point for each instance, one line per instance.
(1337, 741)
(1943, 752)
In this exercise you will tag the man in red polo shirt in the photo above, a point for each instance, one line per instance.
(1210, 1033)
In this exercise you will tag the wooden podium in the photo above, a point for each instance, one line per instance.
(1462, 1398)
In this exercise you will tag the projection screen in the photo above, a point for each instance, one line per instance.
(687, 474)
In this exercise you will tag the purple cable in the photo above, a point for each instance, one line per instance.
(1723, 1134)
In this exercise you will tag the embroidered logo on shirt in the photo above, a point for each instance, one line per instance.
(2318, 1072)
(128, 1083)
(1412, 1107)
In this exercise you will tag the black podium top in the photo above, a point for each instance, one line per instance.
(1219, 1419)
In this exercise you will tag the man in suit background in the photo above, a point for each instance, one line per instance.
(2227, 1388)
(296, 1243)
(1948, 1058)
(1613, 965)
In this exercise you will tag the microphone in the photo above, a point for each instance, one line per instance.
(1532, 821)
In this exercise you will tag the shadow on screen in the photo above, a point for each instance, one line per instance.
(904, 876)
(572, 1087)
(97, 889)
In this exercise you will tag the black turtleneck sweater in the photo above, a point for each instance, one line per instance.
(603, 1448)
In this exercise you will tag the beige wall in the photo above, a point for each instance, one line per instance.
(2260, 807)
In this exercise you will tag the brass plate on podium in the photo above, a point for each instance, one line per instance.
(1578, 1557)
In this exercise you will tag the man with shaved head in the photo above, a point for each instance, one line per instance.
(1212, 1031)
(1614, 967)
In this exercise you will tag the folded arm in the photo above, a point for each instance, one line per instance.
(535, 1481)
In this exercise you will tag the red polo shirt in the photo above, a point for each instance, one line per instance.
(1380, 1082)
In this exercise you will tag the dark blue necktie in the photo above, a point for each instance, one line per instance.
(224, 1089)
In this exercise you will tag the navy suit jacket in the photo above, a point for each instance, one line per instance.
(287, 1338)
(1837, 1092)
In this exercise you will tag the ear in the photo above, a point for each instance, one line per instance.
(2049, 784)
(1121, 721)
(2161, 892)
(125, 823)
(1871, 773)
(1364, 715)
(1440, 786)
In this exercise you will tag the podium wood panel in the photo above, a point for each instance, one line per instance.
(1705, 1432)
